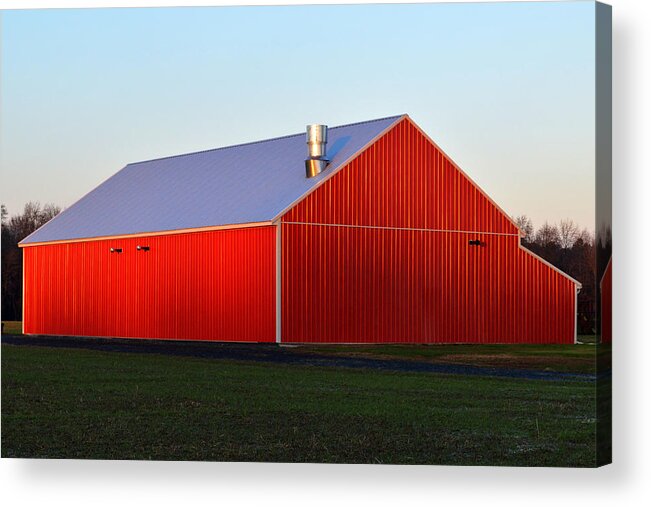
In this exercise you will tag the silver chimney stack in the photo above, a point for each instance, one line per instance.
(317, 138)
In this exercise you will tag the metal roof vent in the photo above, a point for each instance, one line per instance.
(317, 138)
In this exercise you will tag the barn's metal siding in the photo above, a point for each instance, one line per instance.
(606, 287)
(380, 253)
(217, 285)
(343, 284)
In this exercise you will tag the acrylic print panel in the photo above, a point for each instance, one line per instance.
(422, 276)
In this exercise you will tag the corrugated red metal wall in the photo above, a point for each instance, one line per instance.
(216, 285)
(357, 265)
(343, 284)
(606, 287)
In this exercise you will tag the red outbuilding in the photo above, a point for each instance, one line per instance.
(370, 235)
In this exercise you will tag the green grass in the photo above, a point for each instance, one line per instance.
(12, 327)
(65, 403)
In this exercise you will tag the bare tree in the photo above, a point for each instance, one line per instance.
(568, 232)
(548, 236)
(526, 226)
(585, 237)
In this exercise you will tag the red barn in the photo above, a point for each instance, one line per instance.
(378, 236)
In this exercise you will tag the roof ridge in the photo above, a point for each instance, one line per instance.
(249, 143)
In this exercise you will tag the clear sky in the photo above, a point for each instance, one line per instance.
(507, 90)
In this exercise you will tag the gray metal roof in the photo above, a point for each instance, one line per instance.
(254, 182)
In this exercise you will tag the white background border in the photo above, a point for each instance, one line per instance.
(627, 482)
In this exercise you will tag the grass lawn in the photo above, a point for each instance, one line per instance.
(12, 327)
(65, 403)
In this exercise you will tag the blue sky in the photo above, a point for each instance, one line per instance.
(507, 90)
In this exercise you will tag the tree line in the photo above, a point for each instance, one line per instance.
(15, 229)
(565, 245)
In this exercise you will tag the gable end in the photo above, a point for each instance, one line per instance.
(402, 179)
